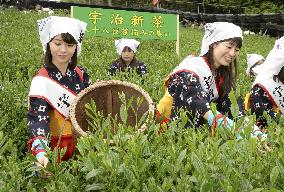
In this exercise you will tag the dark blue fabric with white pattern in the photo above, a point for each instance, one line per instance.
(141, 68)
(261, 102)
(38, 118)
(188, 95)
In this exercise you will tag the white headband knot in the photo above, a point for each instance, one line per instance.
(219, 31)
(274, 60)
(51, 26)
(121, 43)
(252, 59)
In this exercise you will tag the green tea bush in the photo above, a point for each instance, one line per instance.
(174, 160)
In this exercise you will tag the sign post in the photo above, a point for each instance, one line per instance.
(128, 24)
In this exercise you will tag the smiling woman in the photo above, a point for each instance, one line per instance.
(198, 81)
(60, 80)
(226, 52)
(61, 52)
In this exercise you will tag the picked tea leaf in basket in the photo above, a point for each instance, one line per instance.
(108, 99)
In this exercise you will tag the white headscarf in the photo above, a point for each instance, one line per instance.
(121, 43)
(219, 31)
(274, 61)
(252, 59)
(51, 26)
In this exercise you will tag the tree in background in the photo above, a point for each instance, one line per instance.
(246, 6)
(195, 6)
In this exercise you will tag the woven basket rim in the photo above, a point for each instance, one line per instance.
(103, 83)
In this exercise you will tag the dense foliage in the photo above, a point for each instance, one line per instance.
(246, 6)
(202, 6)
(175, 160)
(207, 6)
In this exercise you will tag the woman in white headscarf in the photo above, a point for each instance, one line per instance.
(268, 88)
(55, 86)
(253, 60)
(127, 62)
(198, 81)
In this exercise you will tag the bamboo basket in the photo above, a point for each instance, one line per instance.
(106, 98)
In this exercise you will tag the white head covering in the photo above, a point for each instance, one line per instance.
(51, 26)
(252, 59)
(274, 61)
(219, 31)
(121, 43)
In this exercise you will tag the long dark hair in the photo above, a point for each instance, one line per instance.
(122, 65)
(281, 75)
(227, 74)
(67, 38)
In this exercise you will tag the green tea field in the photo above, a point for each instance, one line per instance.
(175, 160)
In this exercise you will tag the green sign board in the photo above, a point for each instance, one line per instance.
(128, 24)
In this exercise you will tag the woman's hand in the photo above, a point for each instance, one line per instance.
(42, 161)
(41, 164)
(218, 119)
(39, 147)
